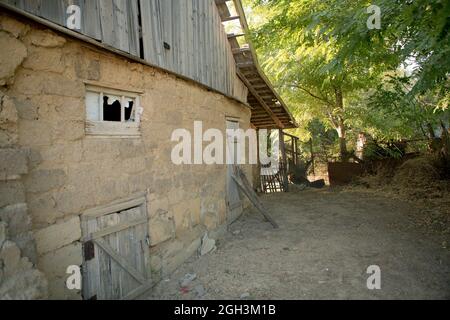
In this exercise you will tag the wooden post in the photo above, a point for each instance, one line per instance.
(293, 150)
(284, 163)
(312, 156)
(259, 181)
(296, 150)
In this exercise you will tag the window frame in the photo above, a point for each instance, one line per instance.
(122, 129)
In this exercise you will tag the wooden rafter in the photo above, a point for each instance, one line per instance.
(241, 50)
(230, 18)
(232, 35)
(261, 101)
(251, 74)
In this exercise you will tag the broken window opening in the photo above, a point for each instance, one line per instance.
(115, 112)
(114, 106)
(112, 112)
(120, 110)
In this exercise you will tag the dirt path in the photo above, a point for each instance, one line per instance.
(325, 243)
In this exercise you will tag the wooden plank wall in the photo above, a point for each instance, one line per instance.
(114, 22)
(188, 38)
(184, 36)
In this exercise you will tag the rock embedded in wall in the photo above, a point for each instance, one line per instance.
(40, 181)
(55, 264)
(19, 279)
(45, 38)
(13, 163)
(160, 229)
(58, 235)
(13, 26)
(44, 59)
(13, 54)
(8, 122)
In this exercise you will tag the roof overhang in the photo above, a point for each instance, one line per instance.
(268, 109)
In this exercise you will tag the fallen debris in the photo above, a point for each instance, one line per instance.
(208, 245)
(184, 290)
(318, 184)
(199, 291)
(236, 232)
(187, 279)
(245, 295)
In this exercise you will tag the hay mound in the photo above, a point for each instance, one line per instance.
(420, 181)
(417, 173)
(415, 179)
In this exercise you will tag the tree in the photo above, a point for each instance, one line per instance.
(305, 63)
(416, 31)
(330, 65)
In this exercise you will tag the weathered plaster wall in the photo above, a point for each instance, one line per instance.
(19, 278)
(41, 79)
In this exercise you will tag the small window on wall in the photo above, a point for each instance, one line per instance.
(111, 112)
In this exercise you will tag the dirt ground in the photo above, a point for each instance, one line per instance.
(326, 241)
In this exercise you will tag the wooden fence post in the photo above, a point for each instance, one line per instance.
(284, 161)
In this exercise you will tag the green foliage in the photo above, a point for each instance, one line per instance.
(324, 141)
(394, 81)
(376, 151)
(415, 31)
(390, 112)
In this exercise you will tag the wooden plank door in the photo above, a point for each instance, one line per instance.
(234, 202)
(115, 255)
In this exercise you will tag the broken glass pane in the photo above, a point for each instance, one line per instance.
(111, 108)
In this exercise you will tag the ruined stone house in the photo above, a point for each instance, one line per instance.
(86, 185)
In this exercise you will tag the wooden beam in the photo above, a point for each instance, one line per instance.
(261, 101)
(252, 73)
(261, 86)
(265, 93)
(267, 96)
(262, 117)
(284, 159)
(240, 12)
(117, 228)
(245, 64)
(120, 260)
(241, 50)
(232, 35)
(261, 124)
(230, 18)
(252, 78)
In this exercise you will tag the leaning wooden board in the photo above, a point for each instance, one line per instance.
(241, 180)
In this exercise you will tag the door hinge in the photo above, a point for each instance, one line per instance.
(89, 251)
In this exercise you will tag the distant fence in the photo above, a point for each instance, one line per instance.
(341, 173)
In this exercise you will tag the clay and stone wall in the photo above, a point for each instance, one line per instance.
(60, 171)
(19, 278)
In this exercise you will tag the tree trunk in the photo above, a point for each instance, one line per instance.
(431, 133)
(342, 140)
(341, 126)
